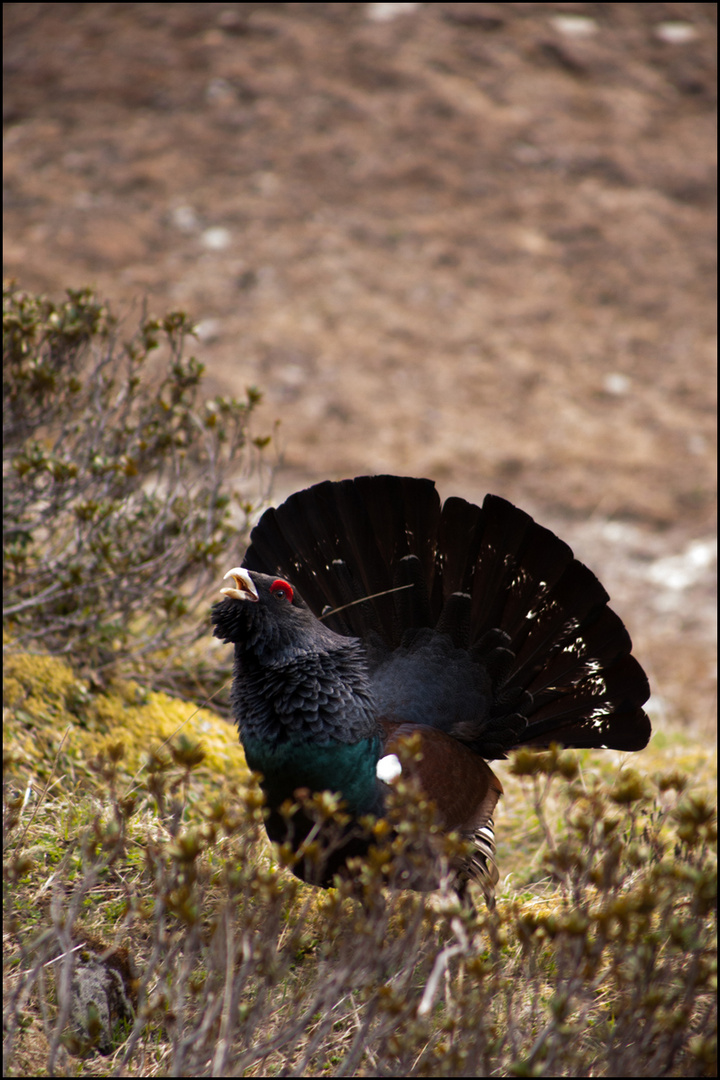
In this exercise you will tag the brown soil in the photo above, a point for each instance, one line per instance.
(471, 241)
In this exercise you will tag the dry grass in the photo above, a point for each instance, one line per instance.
(203, 956)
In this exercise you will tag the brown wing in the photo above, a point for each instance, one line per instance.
(465, 790)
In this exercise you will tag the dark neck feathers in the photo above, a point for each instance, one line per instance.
(306, 695)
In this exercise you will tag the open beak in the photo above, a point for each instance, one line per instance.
(244, 585)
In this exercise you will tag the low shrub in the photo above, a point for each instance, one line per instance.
(120, 483)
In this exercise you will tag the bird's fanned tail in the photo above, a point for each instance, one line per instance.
(561, 655)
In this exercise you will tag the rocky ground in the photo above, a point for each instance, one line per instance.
(468, 241)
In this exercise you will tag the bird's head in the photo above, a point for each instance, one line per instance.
(265, 616)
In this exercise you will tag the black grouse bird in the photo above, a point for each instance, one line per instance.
(475, 629)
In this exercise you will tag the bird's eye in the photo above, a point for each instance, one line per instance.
(282, 588)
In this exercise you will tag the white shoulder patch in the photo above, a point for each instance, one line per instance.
(388, 768)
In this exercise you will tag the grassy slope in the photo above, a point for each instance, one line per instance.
(120, 844)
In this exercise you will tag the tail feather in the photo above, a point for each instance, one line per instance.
(534, 619)
(597, 646)
(557, 621)
(458, 545)
(602, 710)
(350, 593)
(518, 565)
(455, 619)
(403, 515)
(410, 600)
(503, 529)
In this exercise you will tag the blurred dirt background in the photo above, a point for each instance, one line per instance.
(469, 241)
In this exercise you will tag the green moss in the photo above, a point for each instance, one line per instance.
(37, 683)
(45, 699)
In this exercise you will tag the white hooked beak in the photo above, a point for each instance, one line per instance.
(244, 585)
